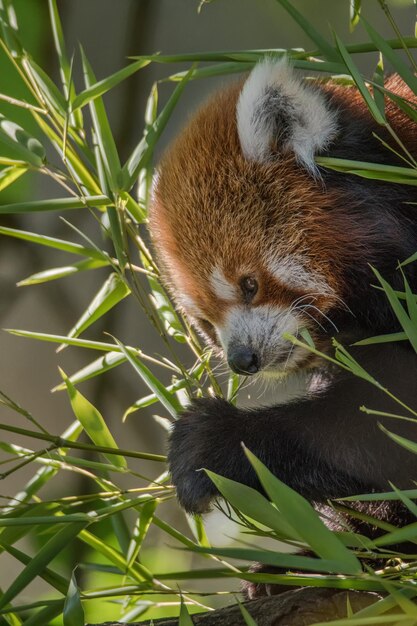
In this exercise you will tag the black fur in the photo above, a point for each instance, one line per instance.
(322, 446)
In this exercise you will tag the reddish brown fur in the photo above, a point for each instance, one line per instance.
(212, 207)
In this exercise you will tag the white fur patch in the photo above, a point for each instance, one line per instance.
(189, 305)
(222, 287)
(274, 96)
(292, 271)
(262, 328)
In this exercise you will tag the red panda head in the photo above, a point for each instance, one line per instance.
(252, 243)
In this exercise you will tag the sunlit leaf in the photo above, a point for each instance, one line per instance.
(111, 293)
(73, 614)
(92, 422)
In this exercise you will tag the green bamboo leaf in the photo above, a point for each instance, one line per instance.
(400, 535)
(164, 308)
(116, 231)
(243, 56)
(81, 343)
(103, 86)
(360, 83)
(410, 301)
(323, 45)
(396, 61)
(344, 357)
(73, 614)
(12, 162)
(9, 28)
(379, 86)
(49, 551)
(142, 154)
(254, 505)
(137, 212)
(184, 618)
(137, 571)
(52, 578)
(95, 368)
(405, 443)
(49, 91)
(355, 13)
(249, 621)
(46, 616)
(61, 204)
(152, 398)
(9, 174)
(304, 519)
(77, 169)
(64, 64)
(410, 259)
(92, 422)
(167, 400)
(26, 147)
(111, 293)
(53, 242)
(107, 146)
(375, 171)
(220, 69)
(143, 523)
(276, 559)
(55, 273)
(409, 328)
(389, 338)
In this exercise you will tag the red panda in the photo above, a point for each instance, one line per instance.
(255, 241)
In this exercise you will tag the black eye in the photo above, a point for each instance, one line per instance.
(249, 286)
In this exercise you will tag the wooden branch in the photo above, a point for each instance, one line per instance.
(299, 607)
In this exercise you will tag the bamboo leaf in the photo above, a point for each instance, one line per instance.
(249, 621)
(61, 204)
(64, 64)
(142, 154)
(304, 519)
(396, 61)
(49, 91)
(375, 171)
(323, 45)
(360, 83)
(92, 422)
(254, 505)
(389, 338)
(26, 147)
(111, 293)
(184, 618)
(103, 86)
(409, 328)
(276, 559)
(106, 144)
(61, 272)
(355, 13)
(169, 401)
(9, 175)
(52, 242)
(152, 398)
(49, 551)
(96, 368)
(73, 614)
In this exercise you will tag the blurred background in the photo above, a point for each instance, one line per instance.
(110, 31)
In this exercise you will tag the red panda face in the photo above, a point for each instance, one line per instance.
(252, 244)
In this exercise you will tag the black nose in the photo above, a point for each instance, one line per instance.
(243, 360)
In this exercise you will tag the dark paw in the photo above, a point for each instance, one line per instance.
(199, 440)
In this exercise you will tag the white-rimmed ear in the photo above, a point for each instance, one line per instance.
(278, 112)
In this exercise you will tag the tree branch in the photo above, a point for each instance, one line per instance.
(299, 607)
